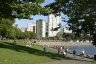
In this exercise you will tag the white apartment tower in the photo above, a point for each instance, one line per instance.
(53, 22)
(31, 27)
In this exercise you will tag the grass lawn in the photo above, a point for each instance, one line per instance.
(94, 62)
(20, 54)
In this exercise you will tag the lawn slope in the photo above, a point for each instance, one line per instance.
(20, 54)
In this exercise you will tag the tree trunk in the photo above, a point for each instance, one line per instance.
(94, 39)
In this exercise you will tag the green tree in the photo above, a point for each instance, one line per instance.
(58, 36)
(32, 35)
(68, 36)
(20, 8)
(11, 33)
(11, 9)
(5, 26)
(81, 13)
(28, 34)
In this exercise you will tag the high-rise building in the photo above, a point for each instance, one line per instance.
(40, 28)
(31, 27)
(53, 25)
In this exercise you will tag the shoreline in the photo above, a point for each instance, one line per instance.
(51, 44)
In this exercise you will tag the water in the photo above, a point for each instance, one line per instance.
(91, 50)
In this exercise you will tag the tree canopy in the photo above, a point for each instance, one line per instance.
(20, 8)
(81, 13)
(11, 9)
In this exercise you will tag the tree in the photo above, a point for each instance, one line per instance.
(5, 26)
(20, 8)
(32, 35)
(11, 33)
(58, 36)
(11, 9)
(81, 13)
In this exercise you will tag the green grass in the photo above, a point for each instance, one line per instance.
(20, 54)
(94, 62)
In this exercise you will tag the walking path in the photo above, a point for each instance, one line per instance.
(69, 62)
(62, 43)
(75, 60)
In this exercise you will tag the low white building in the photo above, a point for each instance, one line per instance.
(66, 30)
(23, 29)
(31, 27)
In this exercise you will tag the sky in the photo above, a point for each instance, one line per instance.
(24, 22)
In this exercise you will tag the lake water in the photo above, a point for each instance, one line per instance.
(91, 50)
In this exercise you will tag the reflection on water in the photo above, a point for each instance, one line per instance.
(88, 49)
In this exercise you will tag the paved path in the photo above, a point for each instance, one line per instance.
(76, 60)
(69, 62)
(62, 43)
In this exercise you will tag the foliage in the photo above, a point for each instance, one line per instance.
(11, 32)
(81, 13)
(72, 36)
(58, 36)
(68, 36)
(28, 34)
(20, 8)
(5, 26)
(25, 35)
(11, 9)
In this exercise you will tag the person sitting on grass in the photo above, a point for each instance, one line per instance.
(64, 53)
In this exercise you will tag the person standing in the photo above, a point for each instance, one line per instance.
(61, 50)
(58, 50)
(66, 50)
(74, 53)
(82, 54)
(44, 48)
